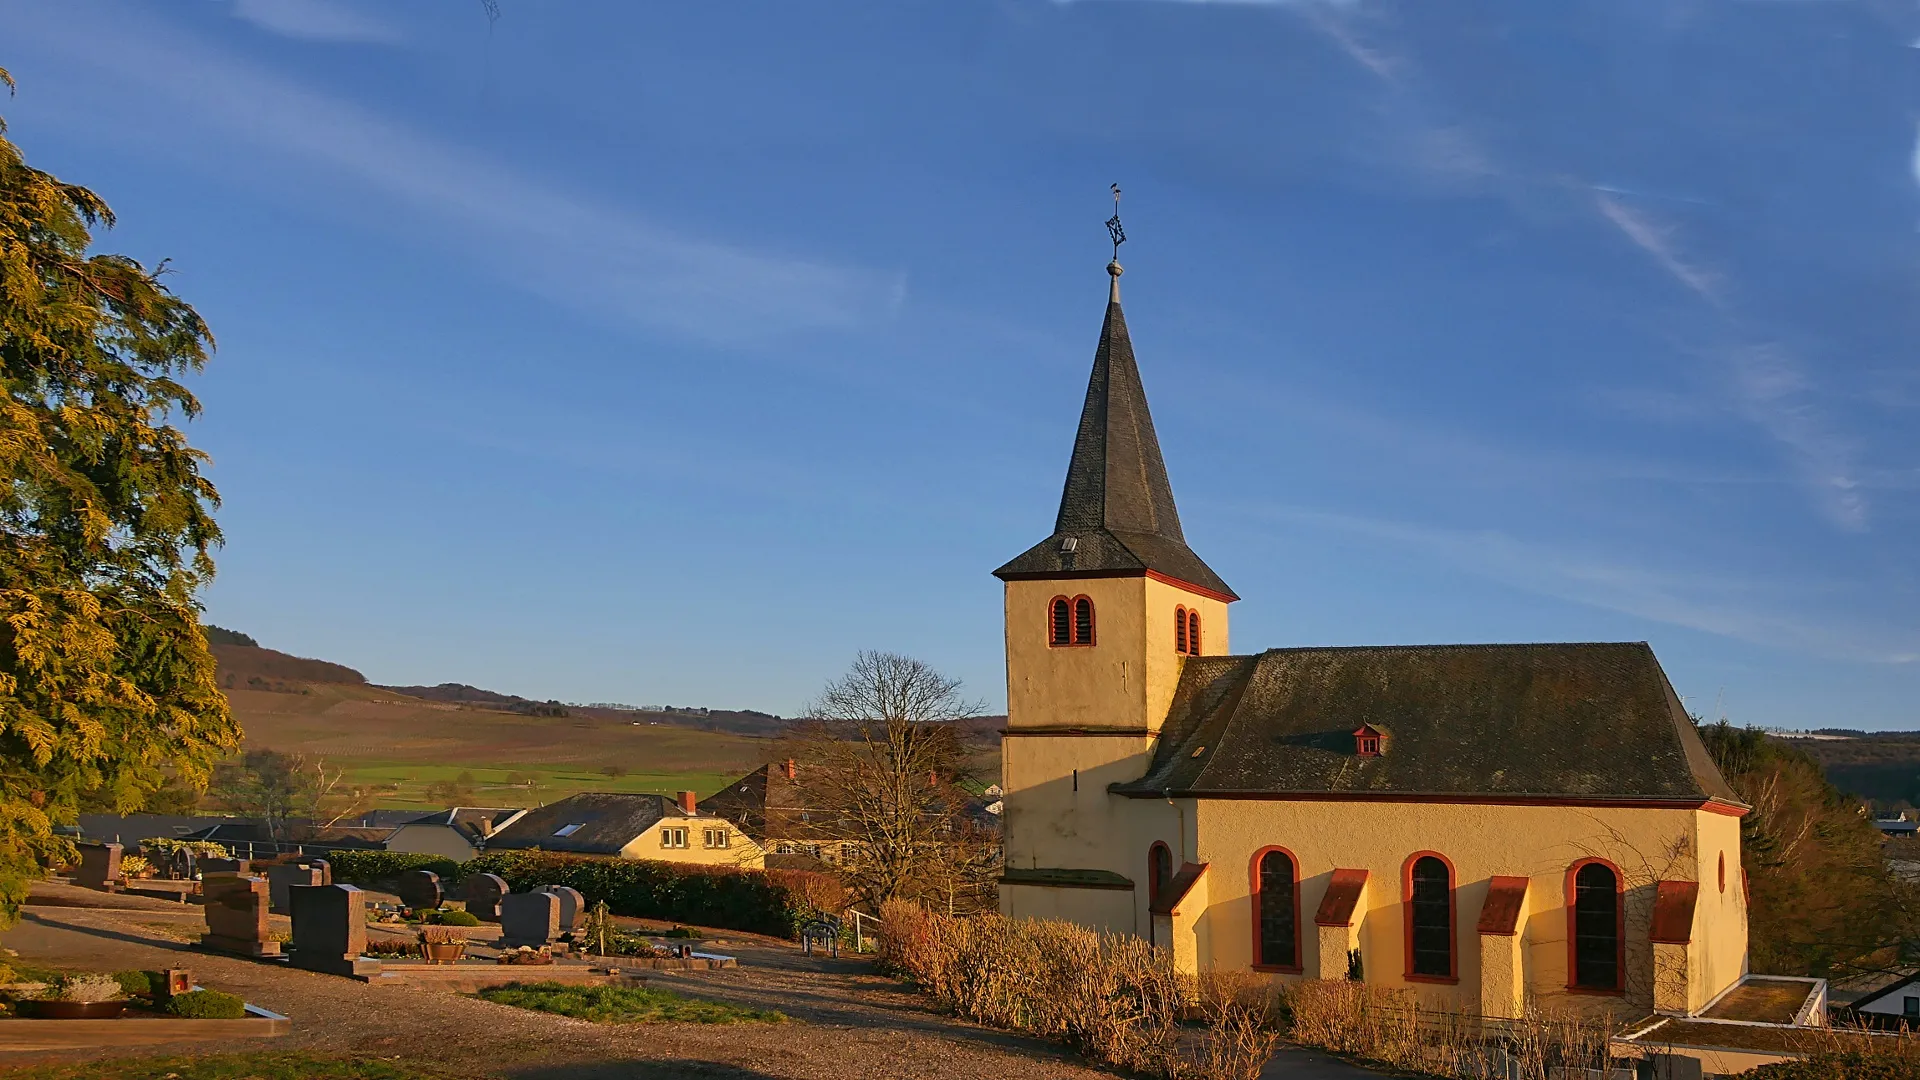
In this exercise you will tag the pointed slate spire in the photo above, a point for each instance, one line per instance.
(1116, 509)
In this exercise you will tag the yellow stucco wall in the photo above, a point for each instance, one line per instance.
(740, 851)
(1717, 957)
(1536, 842)
(1126, 678)
(1110, 910)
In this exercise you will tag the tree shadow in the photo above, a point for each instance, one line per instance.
(169, 944)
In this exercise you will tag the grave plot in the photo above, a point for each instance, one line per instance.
(56, 1009)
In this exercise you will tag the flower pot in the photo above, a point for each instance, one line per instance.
(70, 1010)
(443, 952)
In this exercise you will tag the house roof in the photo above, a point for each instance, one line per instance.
(1579, 721)
(766, 805)
(608, 821)
(466, 820)
(1117, 504)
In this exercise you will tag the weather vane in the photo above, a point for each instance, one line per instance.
(1113, 225)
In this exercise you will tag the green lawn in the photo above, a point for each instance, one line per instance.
(491, 786)
(263, 1066)
(625, 1004)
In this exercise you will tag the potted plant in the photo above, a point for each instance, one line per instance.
(443, 944)
(89, 996)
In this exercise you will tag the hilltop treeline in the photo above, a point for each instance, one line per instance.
(1822, 900)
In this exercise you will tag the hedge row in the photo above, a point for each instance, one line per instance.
(772, 902)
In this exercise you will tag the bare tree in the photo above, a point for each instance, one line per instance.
(886, 766)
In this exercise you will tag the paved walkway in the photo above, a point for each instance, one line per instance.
(854, 1024)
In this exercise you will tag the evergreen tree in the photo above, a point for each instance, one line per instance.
(106, 681)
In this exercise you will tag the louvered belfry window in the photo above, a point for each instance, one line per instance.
(1060, 621)
(1180, 630)
(1082, 621)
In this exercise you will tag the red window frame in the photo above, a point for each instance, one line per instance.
(1619, 930)
(1180, 630)
(1406, 920)
(1075, 638)
(1253, 878)
(1193, 632)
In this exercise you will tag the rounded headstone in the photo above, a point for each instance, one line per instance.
(483, 895)
(420, 890)
(180, 865)
(572, 904)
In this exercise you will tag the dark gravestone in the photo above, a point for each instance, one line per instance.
(211, 866)
(483, 896)
(572, 904)
(99, 867)
(529, 919)
(330, 929)
(420, 890)
(237, 915)
(282, 877)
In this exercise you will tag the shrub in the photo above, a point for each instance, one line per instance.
(751, 900)
(450, 917)
(84, 986)
(136, 982)
(385, 867)
(165, 846)
(207, 1005)
(134, 866)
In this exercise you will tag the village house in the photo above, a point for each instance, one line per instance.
(632, 826)
(458, 833)
(771, 805)
(1487, 825)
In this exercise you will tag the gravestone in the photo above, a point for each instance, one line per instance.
(237, 915)
(181, 865)
(483, 896)
(325, 868)
(99, 867)
(223, 866)
(572, 904)
(529, 919)
(330, 929)
(282, 877)
(420, 890)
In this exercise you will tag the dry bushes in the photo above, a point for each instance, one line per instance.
(1111, 997)
(1391, 1027)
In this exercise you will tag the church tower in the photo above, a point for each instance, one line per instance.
(1100, 617)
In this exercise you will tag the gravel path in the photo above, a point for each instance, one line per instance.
(853, 1024)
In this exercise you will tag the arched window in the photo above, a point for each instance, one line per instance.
(1594, 932)
(1159, 870)
(1082, 621)
(1429, 908)
(1180, 630)
(1060, 621)
(1276, 910)
(1193, 633)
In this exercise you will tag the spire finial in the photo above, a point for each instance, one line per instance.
(1119, 236)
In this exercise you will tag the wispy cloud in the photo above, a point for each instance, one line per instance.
(315, 20)
(1766, 384)
(1657, 241)
(572, 248)
(1697, 601)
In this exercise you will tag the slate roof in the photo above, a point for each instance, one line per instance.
(1589, 721)
(466, 820)
(1117, 504)
(608, 822)
(766, 805)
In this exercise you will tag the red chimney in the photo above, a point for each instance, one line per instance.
(790, 769)
(686, 802)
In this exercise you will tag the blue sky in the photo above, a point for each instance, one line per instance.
(674, 352)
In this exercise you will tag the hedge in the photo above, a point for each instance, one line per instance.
(771, 902)
(357, 867)
(756, 901)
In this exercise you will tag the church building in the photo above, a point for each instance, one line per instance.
(1488, 824)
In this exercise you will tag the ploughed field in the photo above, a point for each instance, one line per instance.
(387, 738)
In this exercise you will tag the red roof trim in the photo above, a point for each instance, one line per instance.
(1673, 903)
(1601, 801)
(1337, 904)
(1506, 898)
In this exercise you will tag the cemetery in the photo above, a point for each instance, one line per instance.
(55, 1009)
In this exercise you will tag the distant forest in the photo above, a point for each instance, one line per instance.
(1882, 768)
